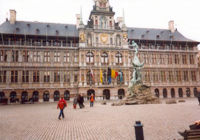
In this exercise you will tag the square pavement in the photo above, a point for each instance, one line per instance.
(102, 122)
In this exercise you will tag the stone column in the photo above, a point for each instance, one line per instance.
(80, 76)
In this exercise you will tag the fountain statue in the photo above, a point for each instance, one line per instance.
(139, 93)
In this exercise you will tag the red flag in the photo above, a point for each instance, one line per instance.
(116, 74)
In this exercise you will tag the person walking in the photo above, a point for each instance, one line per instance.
(75, 102)
(61, 105)
(91, 100)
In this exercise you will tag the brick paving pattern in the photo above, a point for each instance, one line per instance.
(102, 122)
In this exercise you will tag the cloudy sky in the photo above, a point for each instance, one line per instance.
(138, 13)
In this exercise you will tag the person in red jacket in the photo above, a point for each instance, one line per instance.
(61, 104)
(91, 100)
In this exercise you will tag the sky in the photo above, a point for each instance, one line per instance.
(138, 13)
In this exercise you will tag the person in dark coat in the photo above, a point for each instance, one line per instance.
(198, 96)
(81, 102)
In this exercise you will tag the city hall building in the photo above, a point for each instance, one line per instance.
(44, 61)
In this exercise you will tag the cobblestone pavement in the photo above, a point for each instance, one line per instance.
(102, 122)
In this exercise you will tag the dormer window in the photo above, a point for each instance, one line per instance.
(157, 36)
(37, 31)
(57, 32)
(17, 29)
(142, 36)
(66, 27)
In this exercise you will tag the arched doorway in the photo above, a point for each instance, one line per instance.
(164, 93)
(89, 92)
(46, 96)
(180, 92)
(121, 93)
(56, 95)
(35, 96)
(24, 96)
(172, 93)
(13, 97)
(106, 94)
(157, 94)
(2, 96)
(67, 95)
(195, 92)
(188, 92)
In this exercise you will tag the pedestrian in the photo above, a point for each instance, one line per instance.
(81, 101)
(75, 102)
(91, 100)
(198, 96)
(61, 105)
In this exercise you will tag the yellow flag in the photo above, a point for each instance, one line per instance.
(113, 73)
(101, 76)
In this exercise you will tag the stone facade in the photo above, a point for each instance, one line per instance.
(46, 60)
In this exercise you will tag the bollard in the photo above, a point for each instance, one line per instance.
(139, 131)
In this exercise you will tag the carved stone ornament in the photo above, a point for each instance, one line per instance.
(104, 38)
(82, 37)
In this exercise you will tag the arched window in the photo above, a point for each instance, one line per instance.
(195, 92)
(165, 93)
(90, 57)
(46, 96)
(67, 95)
(104, 58)
(118, 57)
(106, 94)
(180, 92)
(172, 93)
(157, 92)
(121, 93)
(56, 95)
(35, 96)
(188, 93)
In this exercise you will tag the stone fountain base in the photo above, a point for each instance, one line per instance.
(141, 94)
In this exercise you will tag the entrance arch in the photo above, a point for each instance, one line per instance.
(35, 96)
(106, 94)
(13, 97)
(157, 94)
(165, 93)
(180, 92)
(121, 93)
(195, 92)
(46, 96)
(188, 92)
(2, 96)
(67, 95)
(24, 96)
(172, 92)
(89, 92)
(56, 95)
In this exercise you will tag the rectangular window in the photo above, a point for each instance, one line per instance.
(66, 77)
(147, 76)
(36, 76)
(75, 77)
(56, 76)
(169, 59)
(193, 73)
(15, 55)
(178, 76)
(76, 58)
(25, 76)
(56, 56)
(47, 76)
(176, 59)
(155, 76)
(163, 76)
(191, 59)
(171, 78)
(2, 76)
(184, 59)
(36, 56)
(14, 76)
(3, 56)
(185, 74)
(25, 56)
(46, 56)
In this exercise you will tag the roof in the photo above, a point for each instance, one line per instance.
(156, 34)
(70, 30)
(39, 28)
